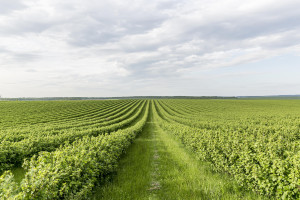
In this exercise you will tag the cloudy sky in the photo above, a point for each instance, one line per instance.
(158, 47)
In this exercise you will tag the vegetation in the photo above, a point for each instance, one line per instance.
(255, 141)
(157, 166)
(186, 149)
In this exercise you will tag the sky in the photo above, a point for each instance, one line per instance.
(97, 48)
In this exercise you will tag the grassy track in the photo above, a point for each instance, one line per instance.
(133, 178)
(157, 166)
(180, 171)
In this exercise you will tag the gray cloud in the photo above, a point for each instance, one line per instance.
(10, 6)
(90, 44)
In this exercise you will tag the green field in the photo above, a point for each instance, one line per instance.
(150, 149)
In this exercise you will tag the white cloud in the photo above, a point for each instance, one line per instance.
(108, 44)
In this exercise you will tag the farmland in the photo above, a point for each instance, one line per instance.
(143, 149)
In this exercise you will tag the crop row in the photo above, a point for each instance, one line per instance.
(47, 129)
(265, 158)
(72, 171)
(46, 115)
(13, 153)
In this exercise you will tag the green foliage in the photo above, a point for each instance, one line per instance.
(257, 142)
(8, 187)
(68, 146)
(72, 170)
(26, 142)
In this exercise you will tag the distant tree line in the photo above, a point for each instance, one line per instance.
(106, 98)
(149, 97)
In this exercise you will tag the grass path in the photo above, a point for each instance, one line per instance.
(157, 166)
(134, 176)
